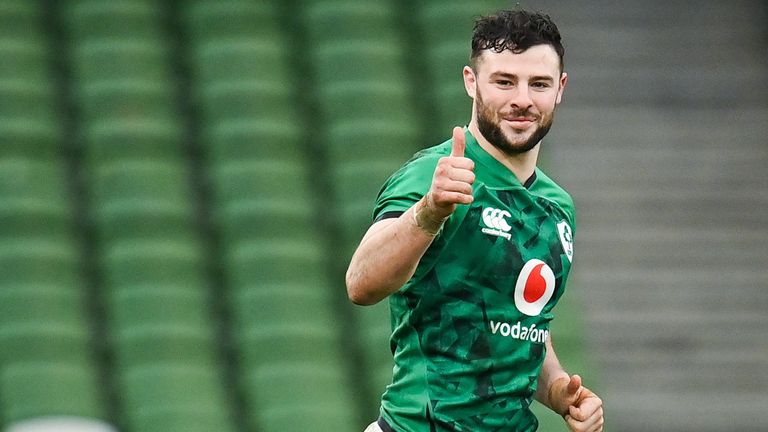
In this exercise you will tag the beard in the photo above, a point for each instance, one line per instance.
(489, 121)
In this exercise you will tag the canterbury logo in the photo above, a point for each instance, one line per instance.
(495, 222)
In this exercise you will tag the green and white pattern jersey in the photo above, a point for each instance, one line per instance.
(469, 327)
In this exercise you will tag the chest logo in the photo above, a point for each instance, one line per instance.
(566, 238)
(535, 286)
(495, 222)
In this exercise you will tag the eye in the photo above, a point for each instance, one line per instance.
(541, 85)
(504, 83)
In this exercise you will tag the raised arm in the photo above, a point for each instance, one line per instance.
(391, 249)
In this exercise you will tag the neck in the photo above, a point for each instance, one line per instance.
(521, 165)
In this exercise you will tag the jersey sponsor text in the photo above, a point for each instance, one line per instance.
(519, 331)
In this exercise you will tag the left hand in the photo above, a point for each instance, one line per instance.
(581, 408)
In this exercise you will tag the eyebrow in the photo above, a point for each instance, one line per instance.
(513, 76)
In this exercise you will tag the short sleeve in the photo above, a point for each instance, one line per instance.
(406, 186)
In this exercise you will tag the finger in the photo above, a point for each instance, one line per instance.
(462, 175)
(460, 163)
(573, 424)
(576, 413)
(459, 142)
(456, 186)
(446, 198)
(574, 385)
(594, 422)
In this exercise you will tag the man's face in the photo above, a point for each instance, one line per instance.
(516, 96)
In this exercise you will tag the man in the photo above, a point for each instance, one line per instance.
(473, 245)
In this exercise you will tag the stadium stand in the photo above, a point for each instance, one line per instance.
(290, 367)
(165, 363)
(297, 111)
(369, 127)
(46, 366)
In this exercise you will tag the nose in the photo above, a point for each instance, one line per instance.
(521, 98)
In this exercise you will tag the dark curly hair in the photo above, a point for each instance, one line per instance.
(515, 30)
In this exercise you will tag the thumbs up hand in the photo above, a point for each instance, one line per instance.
(451, 186)
(581, 408)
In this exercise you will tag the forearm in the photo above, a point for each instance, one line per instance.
(551, 371)
(386, 258)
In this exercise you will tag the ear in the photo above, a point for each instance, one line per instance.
(563, 82)
(470, 81)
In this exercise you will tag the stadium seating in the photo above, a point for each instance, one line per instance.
(290, 365)
(26, 85)
(157, 314)
(46, 351)
(277, 122)
(357, 56)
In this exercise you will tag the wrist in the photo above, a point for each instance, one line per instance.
(425, 219)
(556, 389)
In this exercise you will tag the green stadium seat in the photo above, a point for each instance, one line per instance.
(362, 180)
(39, 262)
(124, 19)
(242, 58)
(142, 182)
(325, 417)
(127, 99)
(262, 179)
(35, 219)
(43, 341)
(131, 221)
(26, 99)
(137, 346)
(250, 99)
(284, 306)
(242, 139)
(31, 59)
(374, 100)
(270, 345)
(375, 329)
(103, 60)
(148, 263)
(192, 419)
(224, 19)
(171, 386)
(347, 20)
(277, 261)
(21, 18)
(112, 140)
(32, 180)
(364, 61)
(383, 143)
(266, 219)
(158, 305)
(29, 138)
(32, 390)
(277, 387)
(55, 304)
(451, 20)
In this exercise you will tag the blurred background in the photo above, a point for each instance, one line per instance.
(182, 184)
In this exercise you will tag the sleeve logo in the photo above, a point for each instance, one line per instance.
(566, 238)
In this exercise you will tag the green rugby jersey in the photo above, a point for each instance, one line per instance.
(469, 327)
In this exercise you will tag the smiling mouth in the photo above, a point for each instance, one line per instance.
(519, 119)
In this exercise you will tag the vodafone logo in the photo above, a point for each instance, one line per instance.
(535, 286)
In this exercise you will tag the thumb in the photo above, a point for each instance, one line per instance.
(573, 385)
(459, 142)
